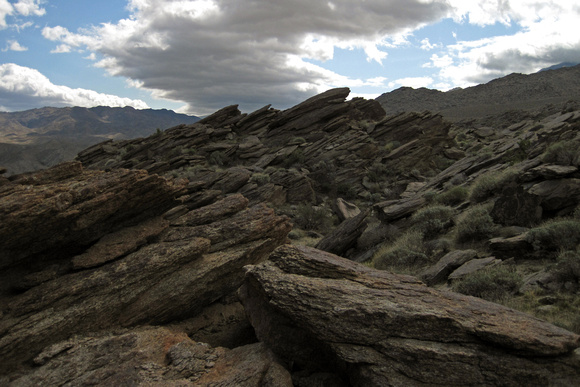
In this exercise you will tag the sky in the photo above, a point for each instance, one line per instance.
(197, 56)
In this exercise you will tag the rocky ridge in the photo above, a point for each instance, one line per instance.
(133, 272)
(514, 92)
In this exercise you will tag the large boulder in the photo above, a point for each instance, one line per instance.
(374, 328)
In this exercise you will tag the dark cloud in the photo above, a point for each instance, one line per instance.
(213, 53)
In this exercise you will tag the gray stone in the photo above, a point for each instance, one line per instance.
(472, 266)
(449, 262)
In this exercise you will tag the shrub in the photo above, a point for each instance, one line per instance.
(492, 284)
(260, 178)
(389, 147)
(433, 220)
(567, 267)
(487, 184)
(453, 196)
(309, 217)
(475, 224)
(562, 153)
(377, 172)
(554, 235)
(346, 190)
(406, 252)
(218, 158)
(296, 157)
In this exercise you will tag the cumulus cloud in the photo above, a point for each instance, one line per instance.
(23, 87)
(13, 45)
(21, 7)
(29, 7)
(545, 38)
(210, 53)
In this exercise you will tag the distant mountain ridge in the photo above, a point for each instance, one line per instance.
(39, 138)
(512, 92)
(101, 121)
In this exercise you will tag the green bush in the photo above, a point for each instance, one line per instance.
(475, 224)
(491, 182)
(309, 217)
(377, 172)
(260, 178)
(391, 146)
(406, 252)
(563, 153)
(567, 267)
(555, 235)
(346, 190)
(218, 158)
(433, 220)
(453, 196)
(295, 158)
(492, 284)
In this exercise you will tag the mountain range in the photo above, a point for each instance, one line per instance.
(39, 138)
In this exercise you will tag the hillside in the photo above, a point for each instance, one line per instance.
(509, 93)
(40, 138)
(326, 244)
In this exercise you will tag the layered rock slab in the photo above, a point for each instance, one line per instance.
(372, 327)
(137, 268)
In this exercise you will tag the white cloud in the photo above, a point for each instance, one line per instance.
(5, 10)
(23, 8)
(29, 7)
(439, 61)
(210, 53)
(544, 38)
(61, 49)
(414, 82)
(13, 45)
(427, 45)
(23, 87)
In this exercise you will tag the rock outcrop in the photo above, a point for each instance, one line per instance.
(117, 249)
(146, 239)
(324, 313)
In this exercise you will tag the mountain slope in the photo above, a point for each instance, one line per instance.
(512, 92)
(39, 138)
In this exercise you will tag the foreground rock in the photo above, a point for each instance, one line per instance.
(322, 312)
(153, 356)
(116, 260)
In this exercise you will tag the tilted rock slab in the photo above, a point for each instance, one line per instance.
(153, 271)
(375, 328)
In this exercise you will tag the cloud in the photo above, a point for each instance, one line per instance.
(29, 7)
(544, 39)
(23, 87)
(210, 53)
(13, 45)
(5, 10)
(61, 49)
(22, 7)
(414, 82)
